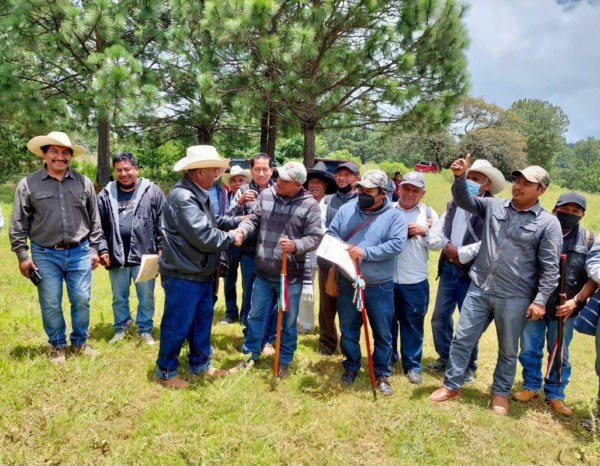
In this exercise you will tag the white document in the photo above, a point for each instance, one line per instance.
(334, 251)
(148, 268)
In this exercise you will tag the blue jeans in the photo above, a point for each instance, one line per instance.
(410, 306)
(534, 335)
(479, 309)
(261, 314)
(230, 284)
(379, 302)
(120, 283)
(248, 265)
(188, 315)
(74, 266)
(451, 292)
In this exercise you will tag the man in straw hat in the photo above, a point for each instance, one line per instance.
(56, 208)
(193, 239)
(461, 233)
(515, 273)
(235, 179)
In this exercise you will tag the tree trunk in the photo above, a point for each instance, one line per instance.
(309, 145)
(103, 173)
(204, 134)
(264, 131)
(272, 139)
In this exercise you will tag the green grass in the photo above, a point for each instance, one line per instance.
(107, 410)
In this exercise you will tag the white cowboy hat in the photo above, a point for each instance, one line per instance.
(201, 157)
(496, 177)
(55, 138)
(236, 170)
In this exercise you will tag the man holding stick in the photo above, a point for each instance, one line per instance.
(513, 276)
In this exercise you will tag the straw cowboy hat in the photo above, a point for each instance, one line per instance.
(496, 177)
(55, 138)
(236, 170)
(201, 157)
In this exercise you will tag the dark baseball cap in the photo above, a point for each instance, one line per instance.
(571, 198)
(350, 166)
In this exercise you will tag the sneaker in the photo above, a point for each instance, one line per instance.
(439, 365)
(211, 372)
(384, 386)
(243, 365)
(85, 350)
(117, 338)
(268, 350)
(58, 355)
(469, 377)
(284, 371)
(349, 377)
(415, 377)
(174, 383)
(147, 337)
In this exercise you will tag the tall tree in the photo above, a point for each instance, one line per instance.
(86, 58)
(543, 125)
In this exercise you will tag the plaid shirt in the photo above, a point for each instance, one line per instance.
(298, 217)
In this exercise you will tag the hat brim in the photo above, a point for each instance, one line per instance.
(187, 164)
(520, 173)
(35, 145)
(415, 184)
(368, 185)
(324, 176)
(497, 181)
(226, 178)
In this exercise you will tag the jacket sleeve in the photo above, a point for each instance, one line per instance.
(160, 202)
(434, 240)
(195, 226)
(92, 209)
(20, 221)
(460, 194)
(313, 231)
(105, 217)
(396, 239)
(548, 259)
(227, 222)
(592, 263)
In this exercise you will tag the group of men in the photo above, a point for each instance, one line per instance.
(499, 262)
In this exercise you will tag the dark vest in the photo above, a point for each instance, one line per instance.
(477, 223)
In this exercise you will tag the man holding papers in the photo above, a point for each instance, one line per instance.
(376, 234)
(130, 210)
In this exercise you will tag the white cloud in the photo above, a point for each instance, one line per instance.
(542, 50)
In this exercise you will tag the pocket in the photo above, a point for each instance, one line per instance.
(386, 287)
(78, 198)
(39, 196)
(525, 234)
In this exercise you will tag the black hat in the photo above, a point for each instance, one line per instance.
(571, 198)
(320, 172)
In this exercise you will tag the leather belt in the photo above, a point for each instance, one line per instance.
(61, 246)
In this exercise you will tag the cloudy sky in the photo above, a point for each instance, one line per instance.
(541, 49)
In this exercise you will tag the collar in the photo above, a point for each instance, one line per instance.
(46, 175)
(417, 207)
(535, 208)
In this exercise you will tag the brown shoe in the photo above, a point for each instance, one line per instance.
(268, 350)
(525, 395)
(84, 349)
(500, 405)
(58, 355)
(284, 371)
(443, 394)
(174, 383)
(211, 372)
(560, 407)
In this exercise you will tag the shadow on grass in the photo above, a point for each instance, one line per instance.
(24, 352)
(102, 332)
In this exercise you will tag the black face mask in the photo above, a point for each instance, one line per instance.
(365, 201)
(345, 189)
(567, 221)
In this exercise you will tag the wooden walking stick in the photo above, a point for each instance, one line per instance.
(359, 300)
(282, 306)
(558, 349)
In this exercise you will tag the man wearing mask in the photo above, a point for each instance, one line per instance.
(569, 209)
(515, 273)
(375, 233)
(345, 175)
(461, 233)
(411, 285)
(130, 210)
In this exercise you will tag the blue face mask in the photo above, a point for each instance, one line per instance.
(473, 188)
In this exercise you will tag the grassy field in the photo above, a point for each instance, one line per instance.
(107, 410)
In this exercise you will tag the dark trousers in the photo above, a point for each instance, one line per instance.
(328, 335)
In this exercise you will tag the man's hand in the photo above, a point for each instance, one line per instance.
(287, 245)
(95, 261)
(239, 237)
(565, 310)
(105, 259)
(535, 311)
(459, 167)
(247, 196)
(355, 252)
(451, 252)
(25, 265)
(415, 229)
